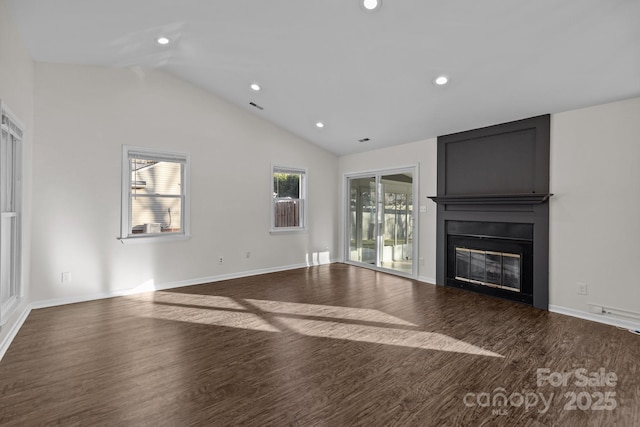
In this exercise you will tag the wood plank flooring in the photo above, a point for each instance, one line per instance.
(325, 346)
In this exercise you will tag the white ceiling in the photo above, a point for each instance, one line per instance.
(364, 74)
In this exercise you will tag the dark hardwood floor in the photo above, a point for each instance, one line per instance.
(325, 346)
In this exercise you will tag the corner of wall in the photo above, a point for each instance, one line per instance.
(17, 92)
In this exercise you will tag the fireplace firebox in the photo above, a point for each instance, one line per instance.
(493, 258)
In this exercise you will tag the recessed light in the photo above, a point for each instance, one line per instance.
(371, 4)
(320, 125)
(255, 86)
(441, 80)
(162, 40)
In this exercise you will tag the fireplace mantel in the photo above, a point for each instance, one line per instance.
(493, 199)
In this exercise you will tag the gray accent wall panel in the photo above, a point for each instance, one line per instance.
(510, 159)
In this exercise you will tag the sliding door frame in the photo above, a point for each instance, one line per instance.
(346, 232)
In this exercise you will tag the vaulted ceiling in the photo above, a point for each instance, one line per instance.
(364, 74)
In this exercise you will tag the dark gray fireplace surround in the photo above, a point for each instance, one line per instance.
(493, 211)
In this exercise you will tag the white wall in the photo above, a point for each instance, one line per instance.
(423, 154)
(16, 91)
(85, 114)
(594, 214)
(595, 210)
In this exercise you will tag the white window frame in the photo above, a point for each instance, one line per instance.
(14, 128)
(303, 198)
(125, 223)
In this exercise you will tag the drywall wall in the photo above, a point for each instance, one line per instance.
(595, 210)
(16, 91)
(84, 114)
(421, 154)
(594, 213)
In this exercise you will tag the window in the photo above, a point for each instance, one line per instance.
(288, 202)
(154, 193)
(11, 132)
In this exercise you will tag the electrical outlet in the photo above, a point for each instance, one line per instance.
(582, 289)
(66, 277)
(220, 260)
(423, 209)
(421, 261)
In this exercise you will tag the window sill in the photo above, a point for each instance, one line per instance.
(153, 238)
(287, 230)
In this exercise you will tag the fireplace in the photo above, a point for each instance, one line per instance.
(493, 258)
(493, 211)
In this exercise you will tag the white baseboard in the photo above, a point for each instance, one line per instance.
(161, 287)
(6, 342)
(600, 318)
(428, 280)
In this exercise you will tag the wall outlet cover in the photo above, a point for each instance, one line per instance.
(582, 289)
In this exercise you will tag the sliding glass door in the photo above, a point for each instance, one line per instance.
(363, 223)
(381, 220)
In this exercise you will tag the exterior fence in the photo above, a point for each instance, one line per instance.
(287, 213)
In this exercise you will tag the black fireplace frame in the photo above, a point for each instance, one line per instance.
(497, 174)
(509, 237)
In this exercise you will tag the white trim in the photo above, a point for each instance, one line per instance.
(368, 172)
(149, 238)
(15, 328)
(599, 318)
(285, 230)
(415, 200)
(161, 287)
(415, 188)
(125, 214)
(7, 308)
(427, 280)
(303, 198)
(13, 117)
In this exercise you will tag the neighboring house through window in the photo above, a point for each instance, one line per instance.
(288, 210)
(154, 193)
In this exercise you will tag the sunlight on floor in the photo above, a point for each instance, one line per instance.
(198, 301)
(322, 321)
(207, 316)
(387, 336)
(334, 312)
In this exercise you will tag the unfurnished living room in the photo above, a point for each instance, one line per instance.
(333, 213)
